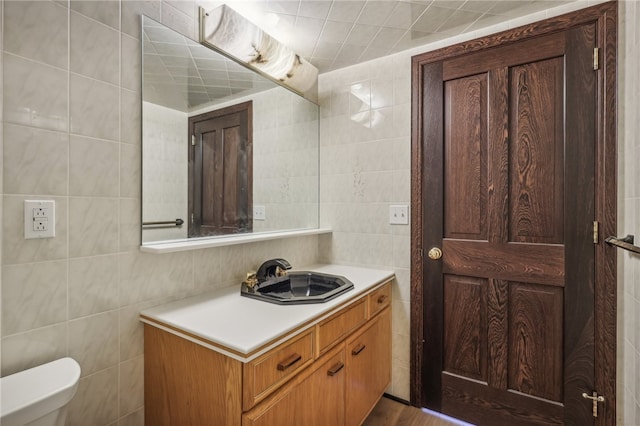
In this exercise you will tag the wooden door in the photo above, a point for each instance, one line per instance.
(220, 172)
(509, 198)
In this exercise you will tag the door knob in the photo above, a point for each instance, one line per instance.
(435, 253)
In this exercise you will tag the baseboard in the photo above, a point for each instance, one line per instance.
(396, 399)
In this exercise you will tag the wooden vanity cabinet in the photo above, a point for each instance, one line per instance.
(331, 373)
(368, 367)
(315, 398)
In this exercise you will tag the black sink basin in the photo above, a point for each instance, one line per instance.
(299, 288)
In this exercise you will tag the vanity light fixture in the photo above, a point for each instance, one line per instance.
(227, 31)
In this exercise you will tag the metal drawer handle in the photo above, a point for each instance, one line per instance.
(382, 298)
(358, 349)
(283, 365)
(334, 370)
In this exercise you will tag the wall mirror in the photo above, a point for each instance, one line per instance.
(225, 150)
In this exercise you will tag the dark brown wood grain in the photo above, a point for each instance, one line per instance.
(498, 157)
(432, 199)
(465, 158)
(525, 51)
(606, 213)
(536, 148)
(540, 263)
(535, 340)
(417, 252)
(525, 32)
(465, 322)
(580, 250)
(484, 405)
(497, 333)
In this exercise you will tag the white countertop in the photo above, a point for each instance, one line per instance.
(240, 327)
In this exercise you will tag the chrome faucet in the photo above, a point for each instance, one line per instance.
(272, 268)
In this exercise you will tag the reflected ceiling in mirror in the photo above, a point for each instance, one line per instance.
(183, 79)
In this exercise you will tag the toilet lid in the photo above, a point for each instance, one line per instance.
(30, 394)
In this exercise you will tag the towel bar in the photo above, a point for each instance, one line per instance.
(625, 243)
(176, 222)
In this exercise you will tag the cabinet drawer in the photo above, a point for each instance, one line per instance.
(266, 373)
(315, 397)
(379, 299)
(338, 326)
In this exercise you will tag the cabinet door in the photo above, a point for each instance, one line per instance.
(318, 400)
(368, 367)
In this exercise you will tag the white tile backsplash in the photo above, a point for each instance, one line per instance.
(37, 30)
(93, 167)
(39, 160)
(106, 12)
(93, 285)
(94, 49)
(94, 108)
(32, 348)
(33, 295)
(35, 94)
(93, 342)
(93, 226)
(628, 404)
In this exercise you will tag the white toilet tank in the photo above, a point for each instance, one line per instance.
(39, 396)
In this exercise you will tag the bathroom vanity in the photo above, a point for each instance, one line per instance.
(223, 359)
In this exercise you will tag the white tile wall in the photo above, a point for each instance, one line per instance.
(71, 89)
(628, 217)
(79, 293)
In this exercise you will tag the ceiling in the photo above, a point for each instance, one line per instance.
(333, 34)
(184, 75)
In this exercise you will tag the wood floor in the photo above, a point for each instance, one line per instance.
(392, 413)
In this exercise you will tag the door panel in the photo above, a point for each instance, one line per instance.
(535, 336)
(536, 152)
(465, 157)
(510, 201)
(465, 322)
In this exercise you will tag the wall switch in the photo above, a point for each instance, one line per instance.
(399, 214)
(259, 213)
(39, 219)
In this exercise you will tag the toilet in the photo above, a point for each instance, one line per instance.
(39, 396)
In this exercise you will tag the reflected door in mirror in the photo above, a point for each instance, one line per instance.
(220, 172)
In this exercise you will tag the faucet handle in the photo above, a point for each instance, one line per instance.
(251, 281)
(280, 272)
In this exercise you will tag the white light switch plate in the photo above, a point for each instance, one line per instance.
(399, 214)
(39, 219)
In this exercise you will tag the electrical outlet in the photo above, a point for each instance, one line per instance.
(399, 214)
(40, 224)
(40, 212)
(39, 219)
(259, 213)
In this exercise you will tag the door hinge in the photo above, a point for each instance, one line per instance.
(193, 140)
(595, 398)
(192, 218)
(596, 62)
(596, 232)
